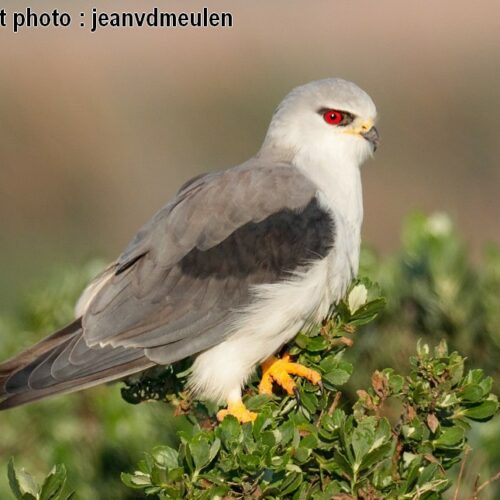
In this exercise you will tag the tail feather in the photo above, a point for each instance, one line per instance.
(116, 373)
(46, 368)
(33, 352)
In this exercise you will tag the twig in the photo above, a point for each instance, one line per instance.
(335, 403)
(430, 487)
(461, 473)
(332, 408)
(488, 482)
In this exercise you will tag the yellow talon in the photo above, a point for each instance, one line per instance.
(279, 371)
(273, 370)
(239, 410)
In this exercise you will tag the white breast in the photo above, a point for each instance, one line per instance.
(340, 192)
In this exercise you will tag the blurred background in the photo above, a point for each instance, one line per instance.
(97, 131)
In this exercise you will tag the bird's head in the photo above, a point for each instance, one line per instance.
(331, 117)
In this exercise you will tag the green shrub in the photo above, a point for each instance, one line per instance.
(396, 441)
(407, 434)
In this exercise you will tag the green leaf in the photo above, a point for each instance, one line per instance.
(337, 376)
(486, 385)
(310, 441)
(449, 437)
(339, 372)
(414, 430)
(287, 431)
(382, 452)
(159, 475)
(146, 464)
(214, 449)
(175, 474)
(229, 431)
(328, 363)
(54, 484)
(13, 481)
(474, 376)
(268, 438)
(262, 422)
(382, 433)
(309, 401)
(137, 480)
(301, 454)
(362, 439)
(166, 456)
(368, 312)
(481, 412)
(396, 382)
(21, 483)
(456, 368)
(302, 340)
(342, 463)
(257, 403)
(316, 344)
(291, 483)
(200, 451)
(471, 393)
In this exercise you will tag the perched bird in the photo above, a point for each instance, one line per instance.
(230, 269)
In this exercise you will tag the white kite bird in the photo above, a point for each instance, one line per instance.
(230, 269)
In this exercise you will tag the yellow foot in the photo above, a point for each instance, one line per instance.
(279, 371)
(238, 410)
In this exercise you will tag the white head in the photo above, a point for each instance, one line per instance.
(331, 117)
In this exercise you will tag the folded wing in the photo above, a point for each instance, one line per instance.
(177, 286)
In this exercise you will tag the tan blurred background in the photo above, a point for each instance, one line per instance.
(98, 130)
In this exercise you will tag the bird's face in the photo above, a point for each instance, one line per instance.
(332, 117)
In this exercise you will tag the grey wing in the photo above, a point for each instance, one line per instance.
(178, 285)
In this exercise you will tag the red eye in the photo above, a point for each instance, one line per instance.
(333, 117)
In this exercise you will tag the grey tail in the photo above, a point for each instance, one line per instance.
(48, 368)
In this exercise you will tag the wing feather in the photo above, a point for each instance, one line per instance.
(190, 252)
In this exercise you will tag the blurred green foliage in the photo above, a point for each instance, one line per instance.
(433, 292)
(94, 433)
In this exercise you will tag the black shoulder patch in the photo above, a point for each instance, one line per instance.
(266, 251)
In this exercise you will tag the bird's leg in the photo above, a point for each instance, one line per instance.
(237, 409)
(279, 370)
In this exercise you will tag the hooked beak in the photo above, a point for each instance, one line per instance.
(372, 137)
